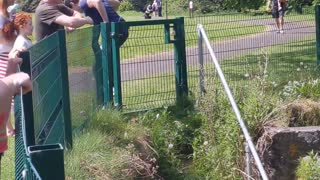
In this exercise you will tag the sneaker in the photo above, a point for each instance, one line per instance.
(281, 31)
(278, 31)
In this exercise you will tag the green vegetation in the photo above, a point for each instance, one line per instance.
(7, 161)
(309, 167)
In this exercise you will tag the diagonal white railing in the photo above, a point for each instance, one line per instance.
(203, 36)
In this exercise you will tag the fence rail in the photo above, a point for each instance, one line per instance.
(203, 35)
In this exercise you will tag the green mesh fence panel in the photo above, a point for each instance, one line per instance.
(147, 67)
(245, 43)
(82, 51)
(24, 169)
(47, 91)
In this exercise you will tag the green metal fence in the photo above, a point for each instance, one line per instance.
(43, 119)
(245, 43)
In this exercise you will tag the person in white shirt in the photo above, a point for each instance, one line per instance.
(190, 8)
(24, 28)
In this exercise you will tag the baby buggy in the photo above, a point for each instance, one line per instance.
(148, 11)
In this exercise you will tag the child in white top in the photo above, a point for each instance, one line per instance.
(24, 28)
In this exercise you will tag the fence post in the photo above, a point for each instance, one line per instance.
(97, 67)
(27, 103)
(115, 28)
(317, 14)
(200, 57)
(180, 59)
(107, 64)
(65, 89)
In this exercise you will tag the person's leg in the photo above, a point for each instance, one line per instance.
(96, 68)
(281, 23)
(278, 23)
(160, 11)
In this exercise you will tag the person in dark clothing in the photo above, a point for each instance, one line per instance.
(159, 4)
(278, 11)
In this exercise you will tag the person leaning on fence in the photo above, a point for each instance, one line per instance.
(10, 86)
(7, 38)
(51, 15)
(190, 9)
(100, 11)
(278, 10)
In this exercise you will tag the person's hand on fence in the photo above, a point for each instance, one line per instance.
(11, 85)
(13, 61)
(70, 29)
(89, 20)
(20, 81)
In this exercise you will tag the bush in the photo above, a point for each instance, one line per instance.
(309, 167)
(125, 6)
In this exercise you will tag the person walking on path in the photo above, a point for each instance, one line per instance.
(159, 5)
(155, 8)
(278, 11)
(190, 8)
(52, 15)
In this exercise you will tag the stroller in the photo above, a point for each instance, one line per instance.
(148, 11)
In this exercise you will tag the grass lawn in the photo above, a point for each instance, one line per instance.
(289, 62)
(146, 40)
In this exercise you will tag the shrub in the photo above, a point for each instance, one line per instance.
(309, 167)
(125, 6)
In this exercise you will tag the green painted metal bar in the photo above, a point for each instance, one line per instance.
(97, 67)
(28, 103)
(115, 28)
(180, 60)
(65, 89)
(317, 15)
(182, 56)
(107, 64)
(48, 160)
(153, 22)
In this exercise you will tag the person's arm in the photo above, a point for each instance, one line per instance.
(71, 21)
(114, 4)
(10, 86)
(100, 7)
(62, 15)
(77, 14)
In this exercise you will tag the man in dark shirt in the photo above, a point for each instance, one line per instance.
(52, 15)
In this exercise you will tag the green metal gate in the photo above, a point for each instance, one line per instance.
(136, 81)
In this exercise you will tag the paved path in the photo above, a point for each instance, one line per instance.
(151, 65)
